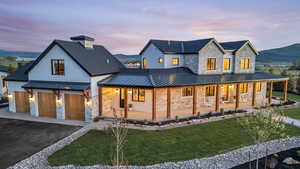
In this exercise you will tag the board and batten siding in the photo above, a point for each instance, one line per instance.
(152, 54)
(245, 52)
(73, 72)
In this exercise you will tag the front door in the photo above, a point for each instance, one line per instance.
(225, 92)
(122, 98)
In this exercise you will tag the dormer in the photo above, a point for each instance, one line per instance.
(86, 41)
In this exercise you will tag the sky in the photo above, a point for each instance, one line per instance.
(125, 26)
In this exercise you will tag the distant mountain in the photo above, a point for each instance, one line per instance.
(284, 54)
(18, 53)
(125, 59)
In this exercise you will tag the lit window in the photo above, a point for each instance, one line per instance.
(226, 63)
(138, 95)
(187, 91)
(244, 87)
(175, 61)
(144, 63)
(58, 67)
(258, 87)
(210, 91)
(160, 60)
(211, 64)
(245, 63)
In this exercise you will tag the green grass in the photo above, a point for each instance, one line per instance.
(149, 147)
(291, 96)
(293, 113)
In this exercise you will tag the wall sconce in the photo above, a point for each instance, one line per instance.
(31, 99)
(88, 103)
(231, 86)
(129, 91)
(117, 91)
(9, 96)
(59, 101)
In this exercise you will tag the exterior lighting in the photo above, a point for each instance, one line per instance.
(231, 86)
(31, 99)
(9, 96)
(117, 91)
(59, 101)
(88, 103)
(129, 91)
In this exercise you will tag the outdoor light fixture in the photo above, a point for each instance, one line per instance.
(129, 91)
(88, 103)
(31, 99)
(230, 86)
(117, 91)
(59, 101)
(9, 96)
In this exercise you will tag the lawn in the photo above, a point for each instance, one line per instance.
(293, 113)
(150, 147)
(291, 96)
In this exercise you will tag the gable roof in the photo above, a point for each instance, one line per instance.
(233, 45)
(20, 74)
(179, 47)
(94, 61)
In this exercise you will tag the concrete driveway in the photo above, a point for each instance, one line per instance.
(20, 139)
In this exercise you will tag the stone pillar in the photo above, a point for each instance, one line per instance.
(88, 110)
(34, 106)
(12, 102)
(60, 106)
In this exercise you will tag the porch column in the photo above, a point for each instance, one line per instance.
(254, 94)
(168, 103)
(194, 100)
(217, 97)
(153, 104)
(285, 88)
(237, 97)
(100, 100)
(125, 103)
(270, 92)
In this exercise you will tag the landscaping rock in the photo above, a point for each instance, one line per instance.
(272, 163)
(290, 161)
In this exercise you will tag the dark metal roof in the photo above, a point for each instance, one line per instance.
(178, 47)
(20, 74)
(82, 37)
(54, 85)
(177, 77)
(95, 61)
(3, 68)
(234, 45)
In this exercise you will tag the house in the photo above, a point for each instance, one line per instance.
(78, 80)
(3, 74)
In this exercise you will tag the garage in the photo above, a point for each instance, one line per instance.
(22, 102)
(74, 107)
(47, 105)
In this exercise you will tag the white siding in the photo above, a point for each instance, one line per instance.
(152, 54)
(73, 72)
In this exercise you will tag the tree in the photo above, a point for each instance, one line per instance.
(263, 125)
(10, 68)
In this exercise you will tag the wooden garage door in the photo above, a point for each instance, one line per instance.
(74, 107)
(47, 105)
(22, 102)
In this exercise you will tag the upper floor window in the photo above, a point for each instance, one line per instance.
(144, 63)
(58, 66)
(160, 60)
(138, 95)
(245, 63)
(175, 61)
(258, 86)
(226, 63)
(187, 91)
(211, 63)
(244, 87)
(210, 90)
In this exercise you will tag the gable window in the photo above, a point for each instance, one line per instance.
(245, 63)
(258, 86)
(226, 63)
(244, 87)
(187, 91)
(175, 61)
(160, 60)
(144, 63)
(210, 91)
(138, 95)
(211, 64)
(58, 66)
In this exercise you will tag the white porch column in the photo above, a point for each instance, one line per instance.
(60, 106)
(33, 101)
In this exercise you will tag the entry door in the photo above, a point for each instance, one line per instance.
(122, 98)
(225, 92)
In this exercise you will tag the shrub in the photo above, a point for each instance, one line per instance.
(198, 114)
(298, 153)
(146, 122)
(209, 114)
(96, 119)
(176, 118)
(222, 111)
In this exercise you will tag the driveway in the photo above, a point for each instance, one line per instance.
(20, 139)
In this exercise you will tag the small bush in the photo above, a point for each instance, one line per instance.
(298, 153)
(209, 114)
(96, 119)
(222, 111)
(176, 118)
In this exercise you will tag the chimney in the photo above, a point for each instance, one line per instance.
(86, 41)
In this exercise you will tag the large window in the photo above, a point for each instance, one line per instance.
(187, 91)
(144, 63)
(210, 91)
(160, 60)
(138, 95)
(58, 67)
(175, 61)
(211, 64)
(258, 87)
(245, 63)
(226, 63)
(244, 87)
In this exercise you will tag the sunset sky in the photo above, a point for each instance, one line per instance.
(125, 26)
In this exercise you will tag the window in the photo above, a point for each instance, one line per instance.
(58, 67)
(244, 63)
(244, 87)
(210, 91)
(144, 63)
(211, 64)
(138, 95)
(258, 87)
(160, 60)
(187, 91)
(175, 61)
(226, 63)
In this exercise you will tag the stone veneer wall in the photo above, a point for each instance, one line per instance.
(180, 105)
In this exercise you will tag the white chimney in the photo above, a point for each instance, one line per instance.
(86, 41)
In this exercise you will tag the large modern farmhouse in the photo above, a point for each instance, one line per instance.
(78, 80)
